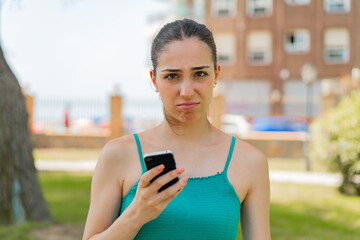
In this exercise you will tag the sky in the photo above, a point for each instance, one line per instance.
(79, 48)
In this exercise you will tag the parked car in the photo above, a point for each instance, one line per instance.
(234, 124)
(279, 123)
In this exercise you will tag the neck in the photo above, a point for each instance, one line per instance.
(200, 131)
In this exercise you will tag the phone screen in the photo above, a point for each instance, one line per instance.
(155, 159)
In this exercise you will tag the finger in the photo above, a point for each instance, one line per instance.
(171, 192)
(150, 174)
(164, 179)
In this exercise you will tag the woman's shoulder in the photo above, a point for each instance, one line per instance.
(250, 153)
(247, 156)
(117, 151)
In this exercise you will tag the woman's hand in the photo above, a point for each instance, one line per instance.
(148, 202)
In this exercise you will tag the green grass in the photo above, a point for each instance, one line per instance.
(297, 211)
(295, 164)
(20, 232)
(313, 212)
(68, 196)
(66, 153)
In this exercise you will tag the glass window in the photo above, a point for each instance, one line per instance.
(223, 8)
(297, 41)
(336, 45)
(297, 2)
(259, 48)
(259, 8)
(248, 97)
(295, 101)
(335, 6)
(226, 47)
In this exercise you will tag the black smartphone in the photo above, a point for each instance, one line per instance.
(165, 157)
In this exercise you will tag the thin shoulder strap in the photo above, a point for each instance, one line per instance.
(233, 140)
(137, 140)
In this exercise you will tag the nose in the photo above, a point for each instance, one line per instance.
(186, 89)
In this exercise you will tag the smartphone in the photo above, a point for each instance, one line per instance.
(165, 157)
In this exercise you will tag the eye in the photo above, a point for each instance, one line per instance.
(200, 74)
(171, 76)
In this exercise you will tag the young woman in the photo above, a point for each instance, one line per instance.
(222, 179)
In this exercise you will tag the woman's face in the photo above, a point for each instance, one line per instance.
(185, 77)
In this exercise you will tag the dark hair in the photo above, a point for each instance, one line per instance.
(180, 30)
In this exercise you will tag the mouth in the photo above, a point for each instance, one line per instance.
(188, 105)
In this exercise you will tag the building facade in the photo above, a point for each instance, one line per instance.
(263, 44)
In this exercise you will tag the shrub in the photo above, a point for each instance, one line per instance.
(336, 140)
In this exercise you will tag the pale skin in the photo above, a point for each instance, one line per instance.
(185, 77)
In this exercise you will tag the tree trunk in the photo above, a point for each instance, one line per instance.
(21, 197)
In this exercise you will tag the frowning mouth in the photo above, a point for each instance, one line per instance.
(187, 106)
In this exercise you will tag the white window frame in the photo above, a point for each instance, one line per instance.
(230, 58)
(298, 2)
(300, 46)
(253, 5)
(336, 53)
(329, 6)
(228, 5)
(259, 48)
(265, 53)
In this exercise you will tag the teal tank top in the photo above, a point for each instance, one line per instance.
(207, 208)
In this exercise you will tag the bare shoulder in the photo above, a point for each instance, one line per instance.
(251, 156)
(248, 168)
(115, 153)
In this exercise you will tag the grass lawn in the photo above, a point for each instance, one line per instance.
(313, 212)
(295, 164)
(66, 153)
(297, 211)
(68, 197)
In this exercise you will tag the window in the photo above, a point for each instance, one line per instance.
(259, 48)
(259, 8)
(335, 6)
(223, 8)
(248, 97)
(297, 2)
(226, 47)
(294, 100)
(297, 41)
(336, 45)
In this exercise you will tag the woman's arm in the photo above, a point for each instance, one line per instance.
(103, 221)
(255, 207)
(106, 190)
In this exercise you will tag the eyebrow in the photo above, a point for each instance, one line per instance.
(178, 70)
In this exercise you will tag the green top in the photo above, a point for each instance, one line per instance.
(207, 208)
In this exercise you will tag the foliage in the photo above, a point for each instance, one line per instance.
(336, 140)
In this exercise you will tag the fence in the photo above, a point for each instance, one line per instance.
(92, 116)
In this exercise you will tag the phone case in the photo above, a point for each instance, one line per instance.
(163, 157)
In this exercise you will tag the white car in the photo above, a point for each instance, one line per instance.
(234, 124)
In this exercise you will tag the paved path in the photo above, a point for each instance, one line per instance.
(312, 178)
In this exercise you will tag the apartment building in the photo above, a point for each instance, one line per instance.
(263, 44)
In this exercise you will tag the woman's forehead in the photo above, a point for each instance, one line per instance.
(187, 53)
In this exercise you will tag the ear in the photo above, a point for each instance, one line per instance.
(217, 72)
(153, 78)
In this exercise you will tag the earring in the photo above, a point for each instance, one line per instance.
(156, 90)
(214, 84)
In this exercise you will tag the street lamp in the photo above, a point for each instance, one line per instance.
(355, 77)
(309, 76)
